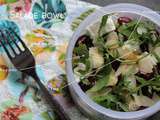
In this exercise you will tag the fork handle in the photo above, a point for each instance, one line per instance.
(53, 101)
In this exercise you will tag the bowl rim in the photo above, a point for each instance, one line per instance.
(113, 8)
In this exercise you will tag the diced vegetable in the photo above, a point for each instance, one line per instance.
(141, 30)
(128, 53)
(114, 53)
(147, 63)
(157, 53)
(143, 100)
(133, 106)
(131, 81)
(127, 70)
(155, 97)
(80, 66)
(94, 31)
(77, 78)
(95, 57)
(112, 40)
(113, 79)
(110, 26)
(140, 101)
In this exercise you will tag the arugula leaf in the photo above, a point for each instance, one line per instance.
(156, 88)
(82, 51)
(99, 43)
(121, 39)
(85, 81)
(111, 101)
(149, 25)
(146, 38)
(101, 83)
(126, 29)
(106, 99)
(124, 107)
(88, 66)
(103, 78)
(157, 56)
(123, 29)
(107, 68)
(98, 96)
(103, 24)
(141, 80)
(82, 54)
(154, 82)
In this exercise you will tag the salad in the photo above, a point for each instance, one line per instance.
(117, 62)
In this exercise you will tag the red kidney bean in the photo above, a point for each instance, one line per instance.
(124, 20)
(84, 39)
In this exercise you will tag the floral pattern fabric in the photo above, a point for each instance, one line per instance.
(44, 25)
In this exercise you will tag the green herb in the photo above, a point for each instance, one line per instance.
(127, 29)
(157, 56)
(88, 66)
(82, 51)
(121, 39)
(156, 88)
(99, 43)
(149, 25)
(111, 101)
(85, 81)
(99, 95)
(152, 82)
(103, 24)
(101, 83)
(123, 106)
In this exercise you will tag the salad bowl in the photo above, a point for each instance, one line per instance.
(85, 103)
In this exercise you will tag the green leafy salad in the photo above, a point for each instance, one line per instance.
(117, 63)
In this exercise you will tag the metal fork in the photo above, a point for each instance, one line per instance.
(25, 62)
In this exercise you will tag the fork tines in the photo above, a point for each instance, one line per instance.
(7, 38)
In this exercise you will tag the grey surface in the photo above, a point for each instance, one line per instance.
(154, 4)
